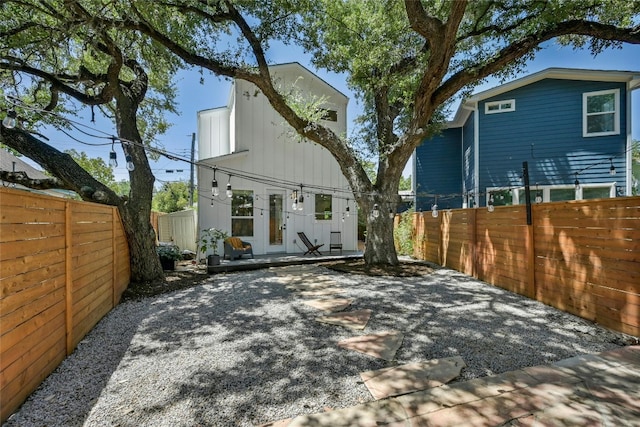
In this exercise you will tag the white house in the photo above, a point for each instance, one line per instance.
(248, 145)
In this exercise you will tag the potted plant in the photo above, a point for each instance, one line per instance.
(209, 239)
(169, 254)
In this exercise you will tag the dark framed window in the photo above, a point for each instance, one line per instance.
(242, 213)
(324, 207)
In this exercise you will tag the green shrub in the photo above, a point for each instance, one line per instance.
(403, 233)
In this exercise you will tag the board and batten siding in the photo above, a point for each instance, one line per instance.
(266, 146)
(546, 131)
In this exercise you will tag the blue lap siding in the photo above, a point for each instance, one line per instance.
(546, 131)
(439, 171)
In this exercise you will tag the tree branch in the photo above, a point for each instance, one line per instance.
(22, 178)
(69, 173)
(521, 47)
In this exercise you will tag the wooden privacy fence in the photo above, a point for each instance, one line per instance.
(582, 257)
(63, 266)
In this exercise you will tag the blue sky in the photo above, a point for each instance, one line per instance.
(193, 97)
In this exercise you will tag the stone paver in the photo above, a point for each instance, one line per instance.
(592, 393)
(330, 304)
(403, 379)
(322, 292)
(356, 319)
(382, 345)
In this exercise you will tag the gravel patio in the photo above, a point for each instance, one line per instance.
(242, 349)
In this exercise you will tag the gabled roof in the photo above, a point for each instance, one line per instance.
(275, 67)
(11, 163)
(467, 105)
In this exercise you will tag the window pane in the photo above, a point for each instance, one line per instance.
(242, 203)
(323, 206)
(601, 123)
(493, 107)
(242, 226)
(601, 103)
(502, 198)
(561, 194)
(596, 193)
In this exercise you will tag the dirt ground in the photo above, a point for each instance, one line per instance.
(188, 274)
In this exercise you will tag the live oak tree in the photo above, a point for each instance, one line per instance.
(406, 61)
(53, 61)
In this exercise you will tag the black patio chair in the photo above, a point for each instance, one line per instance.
(311, 248)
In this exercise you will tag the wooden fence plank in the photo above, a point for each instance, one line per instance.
(51, 249)
(579, 256)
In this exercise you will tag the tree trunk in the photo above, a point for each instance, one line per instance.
(141, 238)
(380, 246)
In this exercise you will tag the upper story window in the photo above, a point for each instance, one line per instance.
(330, 115)
(601, 113)
(500, 106)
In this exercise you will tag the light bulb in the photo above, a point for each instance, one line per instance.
(294, 205)
(391, 214)
(490, 208)
(301, 203)
(346, 212)
(113, 159)
(130, 165)
(214, 188)
(434, 211)
(612, 169)
(376, 211)
(229, 191)
(577, 184)
(10, 120)
(538, 197)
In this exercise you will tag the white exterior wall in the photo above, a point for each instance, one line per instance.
(266, 146)
(213, 132)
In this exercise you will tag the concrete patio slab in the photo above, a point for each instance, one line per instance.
(403, 379)
(330, 304)
(357, 319)
(382, 345)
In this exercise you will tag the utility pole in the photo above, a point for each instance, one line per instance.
(193, 154)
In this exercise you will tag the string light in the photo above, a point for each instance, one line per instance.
(10, 120)
(376, 211)
(215, 192)
(612, 169)
(539, 196)
(301, 200)
(577, 182)
(229, 190)
(113, 157)
(490, 206)
(434, 208)
(294, 196)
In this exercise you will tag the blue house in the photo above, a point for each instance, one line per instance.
(571, 126)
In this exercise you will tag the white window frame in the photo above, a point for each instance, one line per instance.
(546, 191)
(501, 107)
(616, 112)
